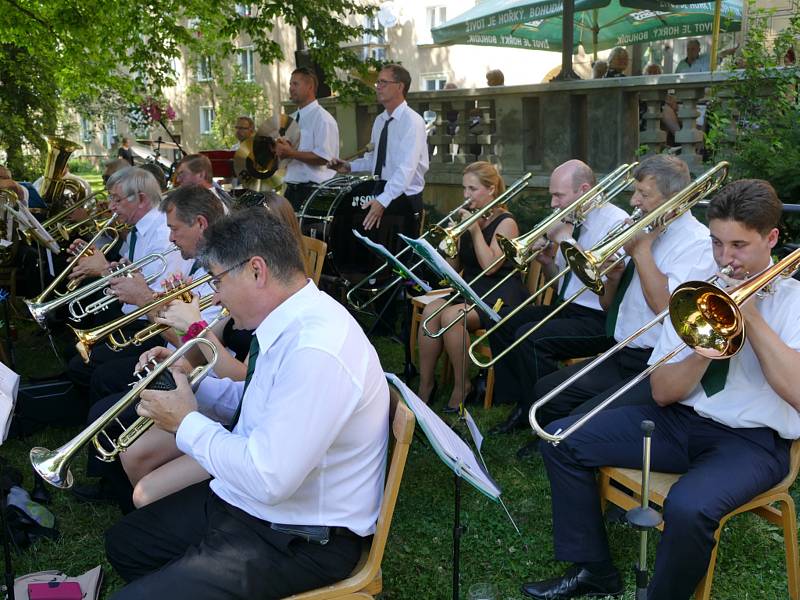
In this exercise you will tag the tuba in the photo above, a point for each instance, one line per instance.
(55, 183)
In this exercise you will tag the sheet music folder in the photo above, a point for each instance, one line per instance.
(451, 449)
(399, 268)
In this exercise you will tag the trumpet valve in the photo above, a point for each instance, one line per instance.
(187, 297)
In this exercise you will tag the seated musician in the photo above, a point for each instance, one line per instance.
(477, 250)
(579, 330)
(659, 260)
(196, 169)
(399, 156)
(297, 481)
(726, 425)
(27, 194)
(134, 195)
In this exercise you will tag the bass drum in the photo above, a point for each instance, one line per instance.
(337, 207)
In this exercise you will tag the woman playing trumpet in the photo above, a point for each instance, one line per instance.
(477, 250)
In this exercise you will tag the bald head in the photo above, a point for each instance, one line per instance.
(569, 181)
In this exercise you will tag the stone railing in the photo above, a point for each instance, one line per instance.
(534, 128)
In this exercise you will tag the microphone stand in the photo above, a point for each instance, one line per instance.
(643, 517)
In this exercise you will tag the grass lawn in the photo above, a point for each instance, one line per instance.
(417, 565)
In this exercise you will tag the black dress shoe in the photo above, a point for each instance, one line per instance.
(528, 450)
(518, 419)
(575, 583)
(93, 492)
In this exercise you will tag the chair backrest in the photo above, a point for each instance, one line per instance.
(315, 251)
(402, 421)
(534, 279)
(794, 467)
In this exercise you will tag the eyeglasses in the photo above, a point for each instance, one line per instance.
(214, 281)
(117, 199)
(384, 82)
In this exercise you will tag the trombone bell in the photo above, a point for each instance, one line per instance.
(707, 319)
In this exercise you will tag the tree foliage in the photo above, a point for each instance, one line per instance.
(96, 54)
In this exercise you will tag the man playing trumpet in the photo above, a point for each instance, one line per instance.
(727, 426)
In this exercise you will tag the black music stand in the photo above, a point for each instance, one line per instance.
(458, 457)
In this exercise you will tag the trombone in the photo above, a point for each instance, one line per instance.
(438, 233)
(707, 319)
(53, 465)
(53, 221)
(520, 250)
(587, 266)
(74, 300)
(117, 340)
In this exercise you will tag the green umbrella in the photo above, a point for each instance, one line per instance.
(599, 24)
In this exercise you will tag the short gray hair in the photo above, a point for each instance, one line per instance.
(251, 232)
(670, 172)
(133, 181)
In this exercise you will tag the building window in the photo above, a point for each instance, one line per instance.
(245, 59)
(434, 16)
(87, 129)
(204, 69)
(111, 132)
(206, 119)
(433, 81)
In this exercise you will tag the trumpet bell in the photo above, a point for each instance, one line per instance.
(707, 319)
(51, 466)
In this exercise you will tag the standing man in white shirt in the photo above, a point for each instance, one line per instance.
(659, 261)
(727, 425)
(579, 329)
(319, 140)
(297, 480)
(399, 157)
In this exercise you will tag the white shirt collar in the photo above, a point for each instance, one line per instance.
(150, 221)
(276, 322)
(307, 108)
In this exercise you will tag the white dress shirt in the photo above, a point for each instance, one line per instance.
(406, 153)
(310, 445)
(748, 400)
(700, 65)
(319, 134)
(597, 224)
(682, 253)
(152, 236)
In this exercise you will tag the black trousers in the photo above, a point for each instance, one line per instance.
(723, 468)
(577, 331)
(298, 193)
(588, 391)
(192, 545)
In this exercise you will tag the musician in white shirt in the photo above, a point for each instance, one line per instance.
(402, 160)
(306, 451)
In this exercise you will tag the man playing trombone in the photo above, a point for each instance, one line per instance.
(726, 425)
(659, 260)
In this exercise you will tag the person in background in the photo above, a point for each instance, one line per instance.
(124, 151)
(617, 63)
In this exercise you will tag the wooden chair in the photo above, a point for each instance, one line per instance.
(315, 251)
(365, 581)
(782, 515)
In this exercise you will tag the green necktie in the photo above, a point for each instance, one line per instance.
(613, 310)
(713, 380)
(565, 282)
(131, 243)
(251, 368)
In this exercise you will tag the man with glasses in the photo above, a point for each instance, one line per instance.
(297, 476)
(319, 140)
(399, 156)
(245, 127)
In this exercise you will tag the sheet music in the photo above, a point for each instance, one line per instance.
(397, 266)
(9, 385)
(450, 448)
(435, 261)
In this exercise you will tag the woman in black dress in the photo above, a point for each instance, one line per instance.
(478, 248)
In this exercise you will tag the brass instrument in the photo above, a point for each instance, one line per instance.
(74, 299)
(53, 465)
(90, 204)
(436, 230)
(588, 265)
(55, 184)
(87, 226)
(112, 330)
(708, 320)
(522, 250)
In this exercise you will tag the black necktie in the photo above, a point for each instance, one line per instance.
(131, 243)
(576, 233)
(381, 161)
(251, 368)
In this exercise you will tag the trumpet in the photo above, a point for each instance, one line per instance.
(37, 306)
(117, 340)
(54, 465)
(438, 233)
(73, 300)
(707, 319)
(587, 266)
(521, 250)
